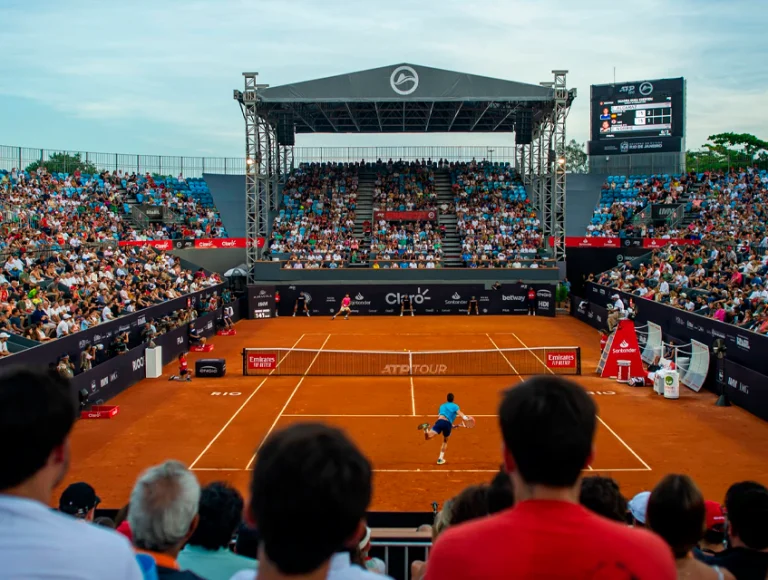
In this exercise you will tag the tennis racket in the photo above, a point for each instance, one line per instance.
(467, 423)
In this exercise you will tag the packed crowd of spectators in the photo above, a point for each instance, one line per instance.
(47, 210)
(317, 217)
(495, 220)
(724, 276)
(622, 198)
(405, 186)
(411, 242)
(49, 295)
(310, 490)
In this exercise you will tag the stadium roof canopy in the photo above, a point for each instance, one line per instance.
(404, 98)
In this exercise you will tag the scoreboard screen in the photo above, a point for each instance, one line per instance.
(641, 116)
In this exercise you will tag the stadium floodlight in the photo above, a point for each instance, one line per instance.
(249, 161)
(561, 161)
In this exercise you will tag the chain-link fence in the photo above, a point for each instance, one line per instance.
(67, 161)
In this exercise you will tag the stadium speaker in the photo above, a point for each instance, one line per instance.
(524, 127)
(286, 134)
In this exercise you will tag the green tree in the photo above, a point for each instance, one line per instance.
(63, 163)
(727, 150)
(576, 157)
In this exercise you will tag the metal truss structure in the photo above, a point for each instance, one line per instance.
(267, 165)
(268, 162)
(542, 164)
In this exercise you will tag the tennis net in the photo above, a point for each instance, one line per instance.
(560, 360)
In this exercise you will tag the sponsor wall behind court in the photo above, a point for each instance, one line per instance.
(385, 299)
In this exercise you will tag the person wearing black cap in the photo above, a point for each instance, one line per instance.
(79, 500)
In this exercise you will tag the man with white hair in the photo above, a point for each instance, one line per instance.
(163, 515)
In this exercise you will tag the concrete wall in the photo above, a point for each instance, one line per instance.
(228, 193)
(582, 194)
(215, 260)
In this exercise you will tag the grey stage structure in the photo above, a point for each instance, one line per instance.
(405, 98)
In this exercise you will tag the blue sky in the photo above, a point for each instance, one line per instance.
(157, 77)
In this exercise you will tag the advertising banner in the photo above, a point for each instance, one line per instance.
(261, 302)
(104, 334)
(744, 387)
(652, 243)
(199, 243)
(405, 216)
(663, 211)
(426, 298)
(157, 244)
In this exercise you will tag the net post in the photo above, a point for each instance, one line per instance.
(245, 358)
(578, 360)
(410, 363)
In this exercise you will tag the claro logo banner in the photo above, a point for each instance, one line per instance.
(427, 299)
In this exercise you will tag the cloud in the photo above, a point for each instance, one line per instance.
(173, 64)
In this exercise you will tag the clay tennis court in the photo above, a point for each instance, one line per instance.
(216, 425)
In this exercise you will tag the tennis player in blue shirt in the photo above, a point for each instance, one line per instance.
(446, 415)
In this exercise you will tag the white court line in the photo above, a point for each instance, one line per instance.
(413, 398)
(632, 451)
(232, 418)
(599, 469)
(371, 416)
(496, 346)
(288, 402)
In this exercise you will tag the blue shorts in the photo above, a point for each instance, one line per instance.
(443, 427)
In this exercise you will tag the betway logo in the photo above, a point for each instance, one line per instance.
(513, 297)
(418, 298)
(415, 369)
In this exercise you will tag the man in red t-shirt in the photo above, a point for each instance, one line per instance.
(548, 426)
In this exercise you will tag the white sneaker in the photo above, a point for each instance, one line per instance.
(401, 314)
(411, 313)
(294, 314)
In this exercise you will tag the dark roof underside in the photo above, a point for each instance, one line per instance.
(404, 98)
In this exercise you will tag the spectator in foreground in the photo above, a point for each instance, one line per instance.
(746, 506)
(470, 504)
(500, 493)
(309, 494)
(207, 552)
(548, 427)
(676, 512)
(163, 516)
(713, 541)
(638, 506)
(79, 500)
(602, 496)
(37, 412)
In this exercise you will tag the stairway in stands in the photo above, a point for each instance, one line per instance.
(451, 241)
(364, 209)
